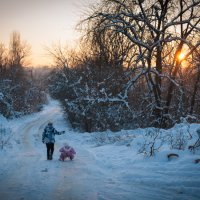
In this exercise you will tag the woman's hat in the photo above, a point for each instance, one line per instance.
(50, 123)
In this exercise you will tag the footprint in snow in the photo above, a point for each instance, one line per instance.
(45, 170)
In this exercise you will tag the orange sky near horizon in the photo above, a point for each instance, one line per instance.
(42, 23)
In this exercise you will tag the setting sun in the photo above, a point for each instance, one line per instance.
(181, 56)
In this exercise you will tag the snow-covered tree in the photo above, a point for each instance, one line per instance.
(138, 65)
(159, 32)
(20, 93)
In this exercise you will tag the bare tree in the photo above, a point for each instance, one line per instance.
(151, 26)
(2, 58)
(18, 50)
(130, 68)
(18, 53)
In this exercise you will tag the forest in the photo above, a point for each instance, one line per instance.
(20, 91)
(137, 65)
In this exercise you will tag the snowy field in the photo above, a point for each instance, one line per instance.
(108, 166)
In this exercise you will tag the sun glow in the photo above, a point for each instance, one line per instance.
(181, 56)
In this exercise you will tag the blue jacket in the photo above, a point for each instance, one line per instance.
(49, 133)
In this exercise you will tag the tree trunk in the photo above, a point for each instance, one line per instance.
(194, 92)
(171, 85)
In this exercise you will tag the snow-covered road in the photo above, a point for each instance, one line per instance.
(28, 175)
(110, 172)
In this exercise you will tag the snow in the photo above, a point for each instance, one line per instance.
(3, 120)
(1, 96)
(107, 166)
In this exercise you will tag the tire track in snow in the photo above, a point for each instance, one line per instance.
(27, 180)
(76, 180)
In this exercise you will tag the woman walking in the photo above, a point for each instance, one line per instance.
(48, 137)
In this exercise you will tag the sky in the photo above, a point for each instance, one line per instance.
(42, 23)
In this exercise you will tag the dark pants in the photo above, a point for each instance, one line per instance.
(50, 150)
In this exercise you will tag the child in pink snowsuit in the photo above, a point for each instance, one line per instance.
(67, 152)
